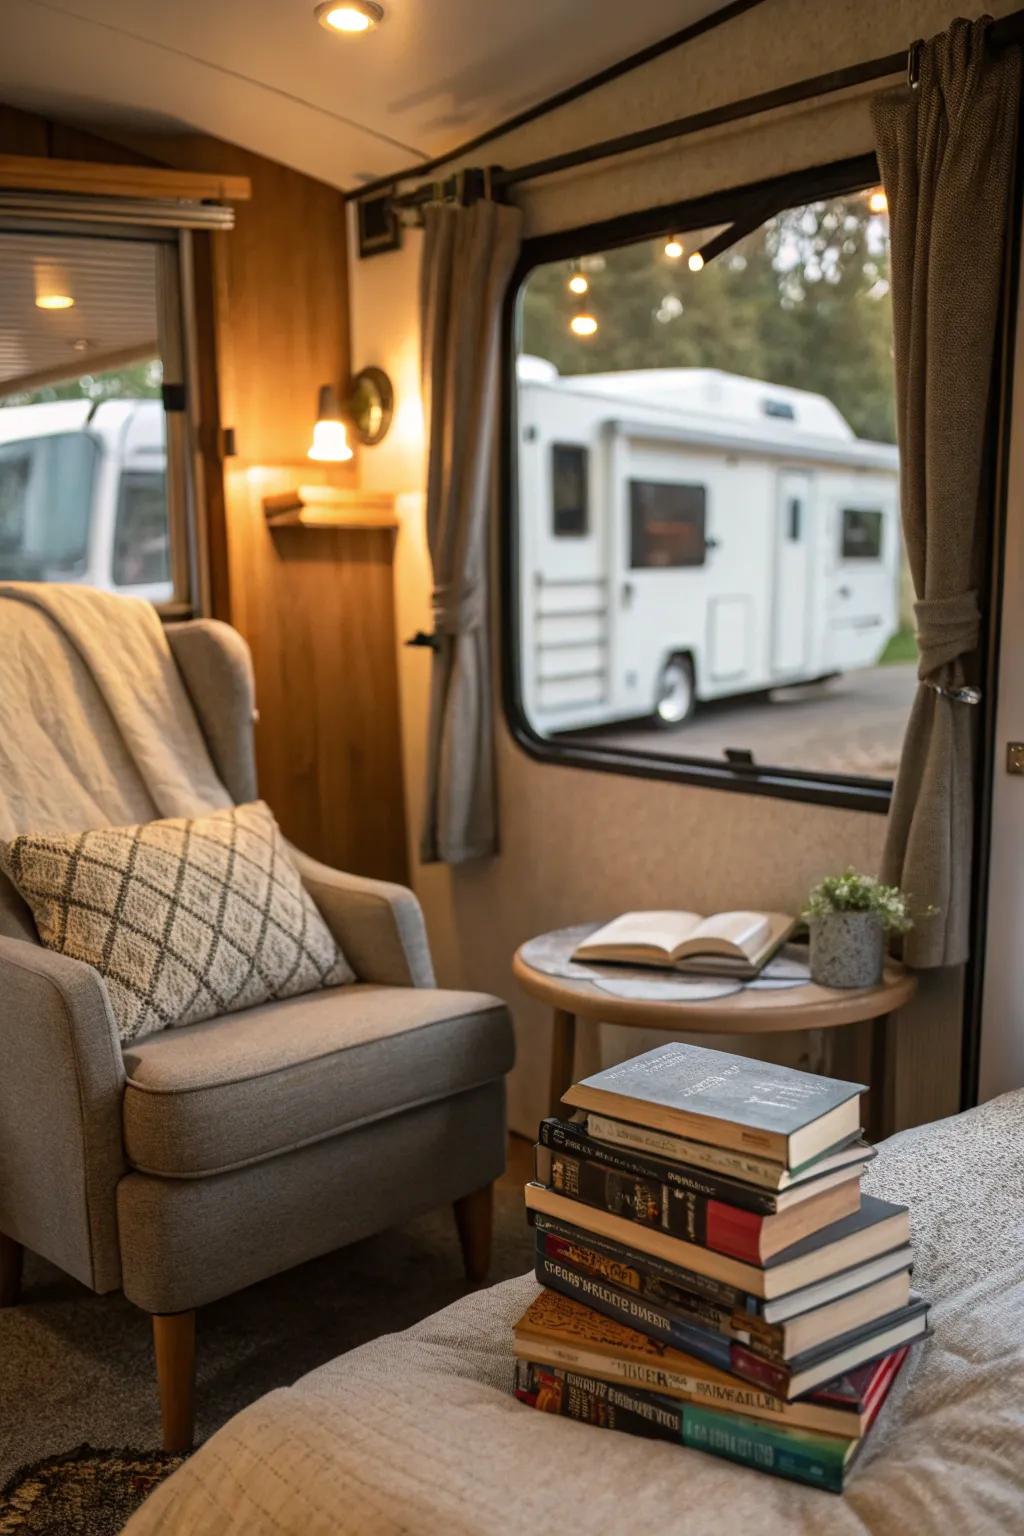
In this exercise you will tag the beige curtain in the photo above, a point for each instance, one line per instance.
(946, 150)
(468, 257)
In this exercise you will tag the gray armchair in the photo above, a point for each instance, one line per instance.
(199, 1160)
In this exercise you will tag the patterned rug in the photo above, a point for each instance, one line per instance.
(83, 1493)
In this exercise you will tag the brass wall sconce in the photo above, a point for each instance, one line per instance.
(368, 410)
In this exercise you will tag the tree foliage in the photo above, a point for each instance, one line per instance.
(137, 381)
(803, 301)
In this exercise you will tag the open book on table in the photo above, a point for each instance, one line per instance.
(726, 944)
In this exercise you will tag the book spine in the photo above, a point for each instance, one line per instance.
(740, 1165)
(817, 1460)
(707, 1223)
(689, 1307)
(561, 1136)
(714, 1348)
(630, 1269)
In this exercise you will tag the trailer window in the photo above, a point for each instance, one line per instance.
(95, 466)
(862, 534)
(666, 524)
(715, 587)
(570, 467)
(46, 493)
(142, 551)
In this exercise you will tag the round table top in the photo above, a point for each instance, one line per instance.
(544, 967)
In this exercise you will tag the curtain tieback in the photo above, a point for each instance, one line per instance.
(457, 611)
(947, 630)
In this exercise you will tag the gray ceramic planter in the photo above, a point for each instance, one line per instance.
(847, 949)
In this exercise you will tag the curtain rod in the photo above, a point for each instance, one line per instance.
(563, 98)
(1002, 34)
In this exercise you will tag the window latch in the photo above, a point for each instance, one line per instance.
(740, 757)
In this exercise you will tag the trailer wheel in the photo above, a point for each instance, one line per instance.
(677, 694)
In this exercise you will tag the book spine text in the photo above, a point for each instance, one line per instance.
(817, 1460)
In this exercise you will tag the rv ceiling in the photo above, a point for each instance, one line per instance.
(262, 74)
(110, 324)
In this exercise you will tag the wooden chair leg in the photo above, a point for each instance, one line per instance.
(174, 1342)
(12, 1256)
(474, 1218)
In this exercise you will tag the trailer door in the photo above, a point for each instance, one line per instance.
(793, 566)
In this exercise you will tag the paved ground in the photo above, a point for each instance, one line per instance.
(853, 724)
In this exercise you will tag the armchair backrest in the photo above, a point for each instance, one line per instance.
(66, 768)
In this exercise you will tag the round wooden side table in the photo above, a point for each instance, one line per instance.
(544, 967)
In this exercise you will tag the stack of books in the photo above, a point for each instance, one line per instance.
(713, 1275)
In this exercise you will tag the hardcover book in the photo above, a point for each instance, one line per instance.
(742, 1166)
(699, 1297)
(823, 1461)
(772, 1356)
(727, 944)
(558, 1331)
(715, 1224)
(779, 1113)
(571, 1137)
(875, 1229)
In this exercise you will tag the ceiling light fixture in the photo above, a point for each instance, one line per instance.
(349, 16)
(673, 248)
(54, 301)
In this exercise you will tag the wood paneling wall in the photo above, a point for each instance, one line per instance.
(316, 606)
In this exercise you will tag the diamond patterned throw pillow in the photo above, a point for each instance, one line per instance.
(184, 919)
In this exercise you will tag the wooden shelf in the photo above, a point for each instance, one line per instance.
(34, 173)
(330, 506)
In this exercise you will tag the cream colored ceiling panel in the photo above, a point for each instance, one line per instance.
(263, 74)
(113, 310)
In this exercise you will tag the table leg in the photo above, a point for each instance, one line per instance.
(563, 1051)
(879, 1116)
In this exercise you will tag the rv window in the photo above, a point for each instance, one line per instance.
(666, 524)
(94, 335)
(862, 534)
(46, 493)
(740, 612)
(569, 510)
(142, 550)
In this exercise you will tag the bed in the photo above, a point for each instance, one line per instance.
(417, 1433)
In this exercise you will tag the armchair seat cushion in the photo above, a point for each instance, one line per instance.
(252, 1085)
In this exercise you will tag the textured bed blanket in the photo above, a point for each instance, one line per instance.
(417, 1432)
(95, 724)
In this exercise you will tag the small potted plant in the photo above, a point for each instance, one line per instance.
(850, 917)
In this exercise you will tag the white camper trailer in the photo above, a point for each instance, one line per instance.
(83, 495)
(690, 534)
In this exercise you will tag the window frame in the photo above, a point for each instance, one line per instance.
(179, 353)
(847, 792)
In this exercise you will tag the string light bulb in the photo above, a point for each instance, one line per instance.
(578, 283)
(583, 323)
(877, 201)
(695, 262)
(674, 248)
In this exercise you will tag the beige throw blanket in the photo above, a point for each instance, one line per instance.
(95, 725)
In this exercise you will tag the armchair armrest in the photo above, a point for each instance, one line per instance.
(379, 926)
(61, 1087)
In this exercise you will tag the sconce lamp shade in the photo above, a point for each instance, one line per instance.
(330, 441)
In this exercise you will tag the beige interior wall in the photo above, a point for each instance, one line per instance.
(576, 843)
